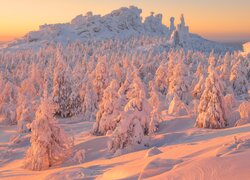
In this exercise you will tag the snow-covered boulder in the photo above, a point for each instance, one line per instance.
(153, 151)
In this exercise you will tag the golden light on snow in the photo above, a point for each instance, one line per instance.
(212, 19)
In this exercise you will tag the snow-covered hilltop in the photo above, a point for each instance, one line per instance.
(123, 23)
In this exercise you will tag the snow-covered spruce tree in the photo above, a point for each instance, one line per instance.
(199, 88)
(134, 121)
(75, 101)
(100, 78)
(226, 68)
(212, 60)
(197, 73)
(155, 96)
(211, 110)
(8, 100)
(238, 77)
(27, 104)
(109, 109)
(89, 99)
(199, 70)
(161, 79)
(25, 114)
(155, 102)
(119, 73)
(180, 83)
(65, 95)
(49, 143)
(125, 88)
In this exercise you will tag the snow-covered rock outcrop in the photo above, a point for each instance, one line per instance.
(180, 36)
(123, 23)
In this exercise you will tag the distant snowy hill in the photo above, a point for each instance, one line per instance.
(246, 48)
(123, 23)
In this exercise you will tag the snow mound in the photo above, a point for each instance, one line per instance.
(153, 151)
(177, 107)
(236, 146)
(69, 174)
(228, 148)
(158, 166)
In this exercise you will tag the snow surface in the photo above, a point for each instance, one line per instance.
(187, 153)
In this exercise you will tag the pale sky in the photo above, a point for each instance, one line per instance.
(221, 20)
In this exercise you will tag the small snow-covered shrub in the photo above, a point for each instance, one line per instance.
(79, 156)
(245, 110)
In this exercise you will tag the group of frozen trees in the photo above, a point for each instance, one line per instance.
(119, 84)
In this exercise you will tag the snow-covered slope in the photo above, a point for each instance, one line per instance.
(119, 24)
(182, 152)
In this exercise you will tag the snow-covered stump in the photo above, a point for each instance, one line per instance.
(211, 110)
(49, 143)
